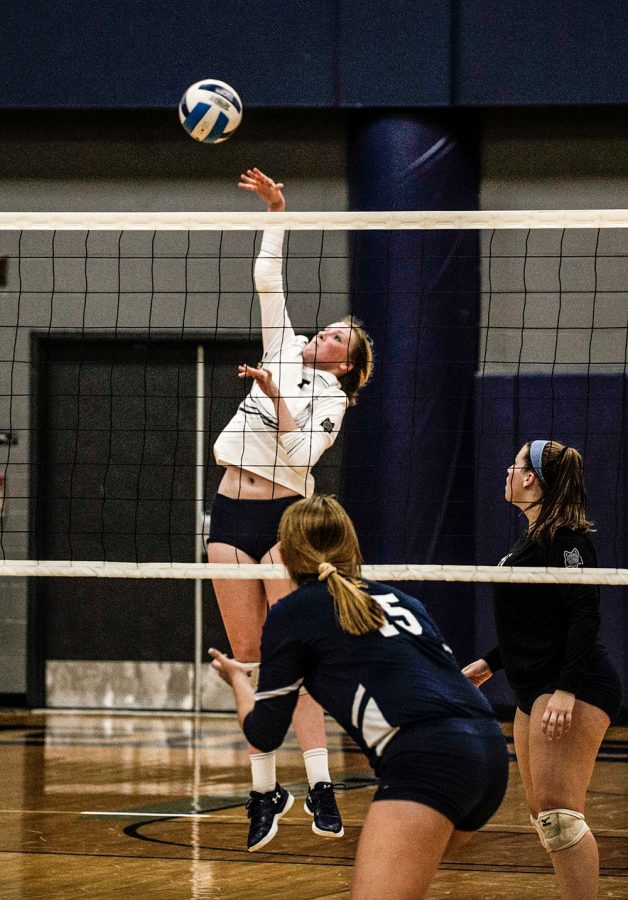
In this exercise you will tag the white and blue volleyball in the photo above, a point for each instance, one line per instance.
(210, 111)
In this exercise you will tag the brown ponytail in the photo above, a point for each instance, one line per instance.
(361, 355)
(318, 540)
(564, 498)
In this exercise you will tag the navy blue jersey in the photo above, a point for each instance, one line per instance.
(372, 684)
(549, 634)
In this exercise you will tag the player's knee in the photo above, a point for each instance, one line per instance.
(560, 829)
(303, 691)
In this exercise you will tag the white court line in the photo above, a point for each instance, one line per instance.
(140, 815)
(506, 828)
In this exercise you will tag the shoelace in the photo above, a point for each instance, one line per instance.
(254, 800)
(335, 786)
(326, 796)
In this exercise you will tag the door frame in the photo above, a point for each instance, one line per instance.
(39, 343)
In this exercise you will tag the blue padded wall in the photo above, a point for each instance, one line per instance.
(408, 444)
(586, 412)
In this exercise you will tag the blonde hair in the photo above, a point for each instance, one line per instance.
(318, 540)
(563, 500)
(361, 355)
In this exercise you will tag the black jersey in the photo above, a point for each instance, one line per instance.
(548, 634)
(372, 684)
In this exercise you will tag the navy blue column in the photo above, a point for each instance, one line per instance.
(408, 460)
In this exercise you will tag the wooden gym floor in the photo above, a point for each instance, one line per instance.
(151, 806)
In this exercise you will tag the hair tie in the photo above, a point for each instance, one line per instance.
(325, 569)
(536, 458)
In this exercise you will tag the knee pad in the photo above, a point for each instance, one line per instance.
(560, 829)
(539, 831)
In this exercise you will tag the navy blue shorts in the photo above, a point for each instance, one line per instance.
(601, 688)
(249, 525)
(458, 767)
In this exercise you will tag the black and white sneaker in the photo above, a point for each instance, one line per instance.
(264, 811)
(321, 804)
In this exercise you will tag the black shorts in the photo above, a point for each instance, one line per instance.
(458, 767)
(600, 688)
(249, 525)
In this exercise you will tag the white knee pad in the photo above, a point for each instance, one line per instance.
(539, 831)
(560, 828)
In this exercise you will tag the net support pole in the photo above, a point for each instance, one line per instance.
(198, 519)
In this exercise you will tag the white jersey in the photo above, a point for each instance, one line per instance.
(315, 399)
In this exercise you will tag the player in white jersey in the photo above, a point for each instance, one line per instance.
(293, 413)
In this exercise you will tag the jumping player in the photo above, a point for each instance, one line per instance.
(293, 413)
(375, 660)
(549, 646)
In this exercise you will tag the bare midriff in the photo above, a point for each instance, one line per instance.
(240, 484)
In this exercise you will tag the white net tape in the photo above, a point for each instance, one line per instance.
(202, 571)
(312, 221)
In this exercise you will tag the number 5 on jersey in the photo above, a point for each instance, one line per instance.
(401, 616)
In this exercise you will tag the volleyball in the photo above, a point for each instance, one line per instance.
(210, 111)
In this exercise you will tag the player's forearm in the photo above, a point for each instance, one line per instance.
(285, 421)
(277, 331)
(267, 271)
(244, 695)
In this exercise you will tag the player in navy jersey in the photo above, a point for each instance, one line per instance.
(549, 646)
(375, 660)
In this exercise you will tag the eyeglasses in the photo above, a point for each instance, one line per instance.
(515, 467)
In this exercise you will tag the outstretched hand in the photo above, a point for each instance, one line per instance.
(227, 667)
(269, 190)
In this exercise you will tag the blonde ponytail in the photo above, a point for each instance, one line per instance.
(318, 540)
(356, 611)
(325, 569)
(361, 355)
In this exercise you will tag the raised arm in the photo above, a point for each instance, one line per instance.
(277, 331)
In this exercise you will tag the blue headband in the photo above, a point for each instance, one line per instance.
(536, 458)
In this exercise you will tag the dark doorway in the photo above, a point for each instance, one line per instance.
(114, 479)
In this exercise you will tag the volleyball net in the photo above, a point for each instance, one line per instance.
(120, 336)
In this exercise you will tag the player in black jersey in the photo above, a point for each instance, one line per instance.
(375, 660)
(549, 646)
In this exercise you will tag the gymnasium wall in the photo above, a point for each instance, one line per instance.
(142, 162)
(278, 53)
(554, 159)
